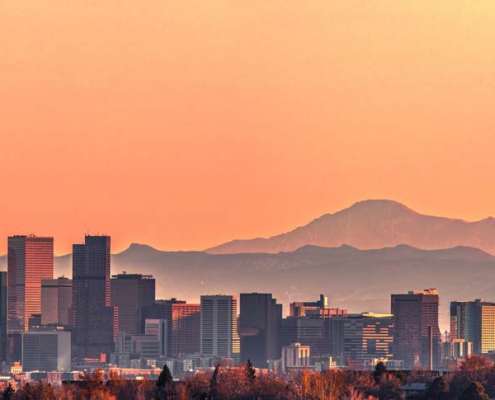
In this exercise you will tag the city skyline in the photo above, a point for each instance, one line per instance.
(203, 124)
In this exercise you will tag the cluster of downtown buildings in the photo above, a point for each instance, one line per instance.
(96, 319)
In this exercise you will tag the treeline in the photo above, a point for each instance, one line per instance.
(474, 380)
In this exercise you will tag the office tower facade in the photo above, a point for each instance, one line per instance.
(474, 321)
(3, 316)
(361, 338)
(295, 356)
(158, 329)
(312, 329)
(131, 293)
(30, 260)
(417, 337)
(94, 320)
(260, 328)
(183, 325)
(185, 329)
(56, 301)
(46, 351)
(219, 336)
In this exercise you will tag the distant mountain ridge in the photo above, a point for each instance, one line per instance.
(373, 224)
(358, 280)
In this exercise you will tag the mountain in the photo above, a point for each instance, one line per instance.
(374, 224)
(358, 280)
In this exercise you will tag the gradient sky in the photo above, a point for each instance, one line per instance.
(184, 124)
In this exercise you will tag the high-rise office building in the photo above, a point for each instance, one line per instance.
(185, 329)
(183, 325)
(311, 327)
(219, 336)
(474, 321)
(417, 337)
(94, 320)
(131, 293)
(56, 301)
(46, 351)
(3, 316)
(30, 260)
(361, 338)
(260, 328)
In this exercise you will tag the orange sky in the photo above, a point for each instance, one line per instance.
(184, 124)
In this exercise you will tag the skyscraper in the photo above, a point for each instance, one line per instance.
(219, 337)
(260, 328)
(361, 338)
(94, 320)
(3, 316)
(474, 321)
(186, 329)
(131, 293)
(30, 260)
(417, 336)
(56, 301)
(183, 325)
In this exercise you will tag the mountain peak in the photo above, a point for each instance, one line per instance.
(380, 206)
(372, 224)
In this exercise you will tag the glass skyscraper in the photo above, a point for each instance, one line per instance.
(94, 320)
(30, 260)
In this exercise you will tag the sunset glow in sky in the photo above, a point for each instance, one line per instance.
(184, 124)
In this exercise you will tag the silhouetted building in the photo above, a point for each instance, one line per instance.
(219, 336)
(46, 351)
(301, 308)
(56, 301)
(308, 332)
(95, 321)
(131, 293)
(30, 260)
(474, 321)
(358, 339)
(417, 337)
(312, 330)
(3, 316)
(186, 329)
(260, 328)
(183, 325)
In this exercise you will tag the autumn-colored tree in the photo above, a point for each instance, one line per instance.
(198, 386)
(476, 368)
(93, 386)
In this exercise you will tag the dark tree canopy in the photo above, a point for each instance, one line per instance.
(165, 377)
(474, 391)
(438, 390)
(380, 370)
